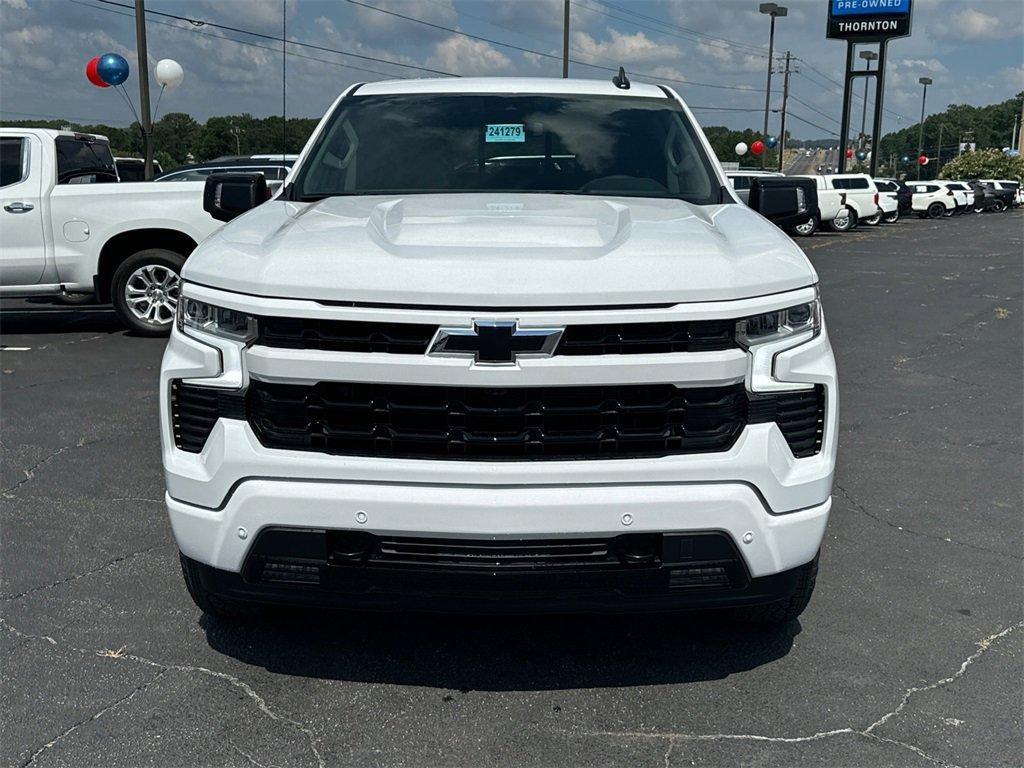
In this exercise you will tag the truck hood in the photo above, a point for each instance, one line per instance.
(500, 250)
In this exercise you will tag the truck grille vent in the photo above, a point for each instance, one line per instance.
(195, 409)
(800, 416)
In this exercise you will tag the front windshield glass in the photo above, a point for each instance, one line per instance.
(587, 145)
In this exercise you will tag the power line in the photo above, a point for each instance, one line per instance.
(533, 52)
(759, 50)
(689, 37)
(203, 23)
(813, 108)
(815, 125)
(250, 44)
(839, 85)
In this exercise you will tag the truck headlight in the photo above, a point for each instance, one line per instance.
(216, 321)
(773, 326)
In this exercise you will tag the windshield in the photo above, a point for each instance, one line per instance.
(587, 145)
(85, 159)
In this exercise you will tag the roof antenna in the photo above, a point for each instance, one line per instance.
(620, 80)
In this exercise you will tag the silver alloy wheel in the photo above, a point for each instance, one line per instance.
(151, 294)
(842, 221)
(806, 228)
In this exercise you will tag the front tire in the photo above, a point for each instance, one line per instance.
(785, 610)
(891, 218)
(936, 211)
(806, 229)
(843, 223)
(145, 290)
(211, 604)
(999, 206)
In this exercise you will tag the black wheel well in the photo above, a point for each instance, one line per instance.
(120, 247)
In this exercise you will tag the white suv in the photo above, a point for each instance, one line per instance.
(500, 344)
(932, 200)
(862, 196)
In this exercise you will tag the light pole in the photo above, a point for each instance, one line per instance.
(774, 10)
(925, 81)
(868, 57)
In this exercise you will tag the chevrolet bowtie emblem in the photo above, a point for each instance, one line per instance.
(495, 342)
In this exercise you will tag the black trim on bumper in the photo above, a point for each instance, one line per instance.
(622, 574)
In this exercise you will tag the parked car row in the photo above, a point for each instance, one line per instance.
(846, 200)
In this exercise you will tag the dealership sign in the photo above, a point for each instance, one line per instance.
(868, 20)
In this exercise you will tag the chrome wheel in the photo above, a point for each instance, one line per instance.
(151, 294)
(805, 229)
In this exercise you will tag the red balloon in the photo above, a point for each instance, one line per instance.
(849, 153)
(93, 75)
(757, 147)
(922, 160)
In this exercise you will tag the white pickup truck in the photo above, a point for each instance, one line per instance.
(66, 232)
(531, 353)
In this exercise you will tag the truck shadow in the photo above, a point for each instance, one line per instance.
(28, 320)
(539, 653)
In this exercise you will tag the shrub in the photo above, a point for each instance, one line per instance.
(984, 164)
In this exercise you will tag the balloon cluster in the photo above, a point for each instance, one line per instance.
(756, 147)
(107, 70)
(112, 69)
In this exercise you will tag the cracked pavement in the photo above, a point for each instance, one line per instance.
(910, 654)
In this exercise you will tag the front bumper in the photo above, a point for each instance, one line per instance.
(773, 506)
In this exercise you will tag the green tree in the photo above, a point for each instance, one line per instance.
(985, 164)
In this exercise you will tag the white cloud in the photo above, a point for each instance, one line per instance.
(623, 48)
(972, 24)
(19, 4)
(463, 56)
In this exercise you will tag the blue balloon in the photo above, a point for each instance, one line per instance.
(905, 159)
(861, 154)
(112, 68)
(771, 141)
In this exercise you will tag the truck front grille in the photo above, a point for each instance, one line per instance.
(392, 420)
(403, 421)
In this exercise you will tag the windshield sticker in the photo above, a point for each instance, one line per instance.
(505, 132)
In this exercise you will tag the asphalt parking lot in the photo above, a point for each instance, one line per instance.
(910, 653)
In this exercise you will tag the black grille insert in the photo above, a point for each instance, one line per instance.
(406, 421)
(647, 338)
(344, 335)
(414, 339)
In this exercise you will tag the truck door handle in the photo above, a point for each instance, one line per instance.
(19, 207)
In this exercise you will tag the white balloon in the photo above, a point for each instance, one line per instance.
(169, 73)
(741, 148)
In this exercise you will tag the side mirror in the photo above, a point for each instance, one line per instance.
(228, 195)
(784, 201)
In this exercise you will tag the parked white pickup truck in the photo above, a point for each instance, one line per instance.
(68, 230)
(832, 210)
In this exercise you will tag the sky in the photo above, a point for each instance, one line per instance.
(714, 52)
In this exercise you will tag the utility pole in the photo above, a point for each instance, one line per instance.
(1013, 139)
(143, 64)
(925, 81)
(938, 152)
(774, 10)
(1020, 135)
(785, 98)
(565, 40)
